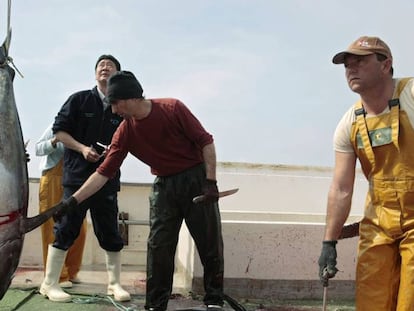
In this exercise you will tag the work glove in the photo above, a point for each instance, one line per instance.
(210, 190)
(64, 207)
(327, 261)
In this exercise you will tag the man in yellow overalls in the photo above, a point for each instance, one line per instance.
(378, 130)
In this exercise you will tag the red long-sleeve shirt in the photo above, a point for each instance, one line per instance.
(170, 140)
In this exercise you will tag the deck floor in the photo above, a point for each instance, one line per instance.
(90, 295)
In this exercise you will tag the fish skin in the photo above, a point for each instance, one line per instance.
(14, 181)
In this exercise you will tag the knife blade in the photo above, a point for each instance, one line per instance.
(201, 198)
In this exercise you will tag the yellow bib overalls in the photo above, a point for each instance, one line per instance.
(384, 145)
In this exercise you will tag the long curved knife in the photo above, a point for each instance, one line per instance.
(201, 198)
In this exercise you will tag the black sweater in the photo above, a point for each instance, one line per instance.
(83, 117)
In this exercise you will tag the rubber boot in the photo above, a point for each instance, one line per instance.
(113, 266)
(50, 285)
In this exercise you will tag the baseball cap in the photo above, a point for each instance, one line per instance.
(123, 85)
(111, 58)
(364, 46)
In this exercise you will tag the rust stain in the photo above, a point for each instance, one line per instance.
(248, 265)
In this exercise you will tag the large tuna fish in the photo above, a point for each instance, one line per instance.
(13, 178)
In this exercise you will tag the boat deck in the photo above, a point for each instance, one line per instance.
(89, 295)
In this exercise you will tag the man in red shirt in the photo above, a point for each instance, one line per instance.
(164, 134)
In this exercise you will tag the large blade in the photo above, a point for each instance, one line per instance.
(34, 222)
(202, 197)
(349, 231)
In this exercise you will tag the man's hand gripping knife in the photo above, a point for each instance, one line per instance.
(210, 190)
(327, 262)
(64, 207)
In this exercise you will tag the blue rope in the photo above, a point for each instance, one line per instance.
(97, 298)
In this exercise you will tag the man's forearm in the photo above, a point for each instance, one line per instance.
(339, 206)
(92, 185)
(209, 155)
(69, 141)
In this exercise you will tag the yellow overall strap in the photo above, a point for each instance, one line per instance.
(363, 131)
(394, 105)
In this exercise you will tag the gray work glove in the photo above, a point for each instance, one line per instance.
(64, 207)
(327, 261)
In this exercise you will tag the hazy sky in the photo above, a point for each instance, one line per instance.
(258, 74)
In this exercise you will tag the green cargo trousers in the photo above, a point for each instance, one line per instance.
(170, 204)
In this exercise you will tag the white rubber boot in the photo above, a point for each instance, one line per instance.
(113, 266)
(50, 285)
(66, 284)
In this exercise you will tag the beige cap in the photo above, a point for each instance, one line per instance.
(364, 46)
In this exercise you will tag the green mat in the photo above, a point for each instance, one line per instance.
(31, 300)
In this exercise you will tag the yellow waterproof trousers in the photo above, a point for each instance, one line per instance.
(385, 267)
(50, 194)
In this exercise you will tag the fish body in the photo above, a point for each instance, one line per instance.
(14, 181)
(13, 178)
